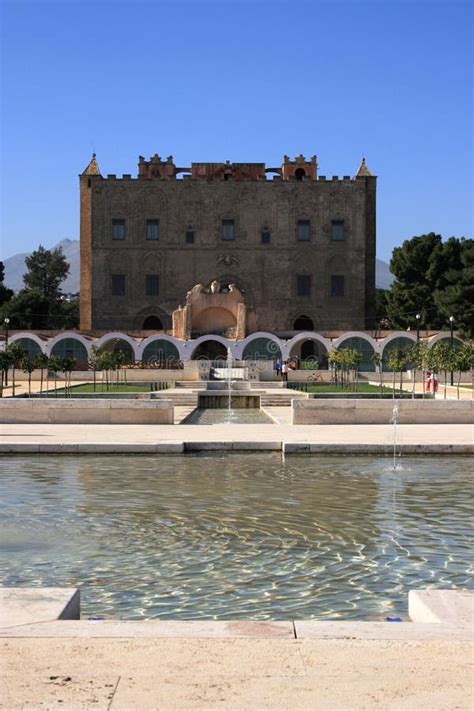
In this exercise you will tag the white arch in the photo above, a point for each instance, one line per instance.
(85, 341)
(32, 336)
(118, 336)
(441, 336)
(306, 336)
(357, 334)
(191, 346)
(239, 346)
(157, 337)
(409, 335)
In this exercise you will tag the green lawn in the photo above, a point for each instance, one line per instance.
(361, 388)
(101, 388)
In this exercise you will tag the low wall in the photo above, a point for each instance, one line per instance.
(86, 412)
(380, 412)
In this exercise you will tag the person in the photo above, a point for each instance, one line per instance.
(435, 381)
(428, 381)
(278, 367)
(284, 371)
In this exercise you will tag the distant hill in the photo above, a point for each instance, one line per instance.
(383, 275)
(15, 268)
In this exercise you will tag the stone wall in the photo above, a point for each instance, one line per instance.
(380, 412)
(86, 412)
(265, 272)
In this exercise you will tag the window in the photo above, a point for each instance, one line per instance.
(337, 285)
(303, 285)
(303, 231)
(265, 237)
(189, 236)
(337, 230)
(118, 284)
(153, 229)
(118, 229)
(152, 285)
(228, 230)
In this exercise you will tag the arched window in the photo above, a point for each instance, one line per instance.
(300, 173)
(364, 348)
(261, 349)
(70, 348)
(152, 323)
(396, 344)
(211, 350)
(29, 347)
(160, 350)
(303, 323)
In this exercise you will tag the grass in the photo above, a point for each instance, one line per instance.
(361, 388)
(101, 388)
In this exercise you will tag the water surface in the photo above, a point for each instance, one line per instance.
(234, 535)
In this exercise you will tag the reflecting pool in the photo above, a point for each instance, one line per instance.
(236, 535)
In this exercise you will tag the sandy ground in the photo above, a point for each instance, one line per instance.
(235, 674)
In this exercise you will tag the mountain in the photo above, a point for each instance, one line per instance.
(383, 275)
(15, 268)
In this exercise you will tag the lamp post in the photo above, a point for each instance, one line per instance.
(6, 321)
(451, 326)
(418, 316)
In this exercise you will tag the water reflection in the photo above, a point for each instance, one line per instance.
(235, 536)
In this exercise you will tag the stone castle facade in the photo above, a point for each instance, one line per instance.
(227, 248)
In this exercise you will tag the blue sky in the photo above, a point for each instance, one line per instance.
(238, 80)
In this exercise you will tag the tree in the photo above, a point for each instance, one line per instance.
(463, 361)
(47, 269)
(28, 365)
(443, 355)
(434, 279)
(397, 360)
(67, 366)
(5, 293)
(54, 365)
(39, 304)
(41, 362)
(15, 354)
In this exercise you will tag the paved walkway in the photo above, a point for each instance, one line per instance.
(281, 437)
(234, 674)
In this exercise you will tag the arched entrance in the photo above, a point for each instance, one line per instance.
(261, 348)
(214, 320)
(210, 350)
(303, 323)
(118, 345)
(152, 323)
(311, 350)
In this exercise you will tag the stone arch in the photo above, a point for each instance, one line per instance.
(210, 348)
(213, 320)
(362, 343)
(153, 311)
(442, 336)
(115, 341)
(70, 346)
(28, 345)
(152, 323)
(160, 350)
(30, 337)
(261, 346)
(321, 347)
(303, 323)
(399, 341)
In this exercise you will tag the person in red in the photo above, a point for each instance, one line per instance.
(428, 381)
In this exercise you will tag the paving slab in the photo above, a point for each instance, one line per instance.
(455, 607)
(24, 606)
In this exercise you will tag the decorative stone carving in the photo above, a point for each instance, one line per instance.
(215, 287)
(227, 259)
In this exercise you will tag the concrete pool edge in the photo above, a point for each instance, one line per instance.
(55, 612)
(183, 447)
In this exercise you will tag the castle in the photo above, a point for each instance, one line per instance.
(227, 248)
